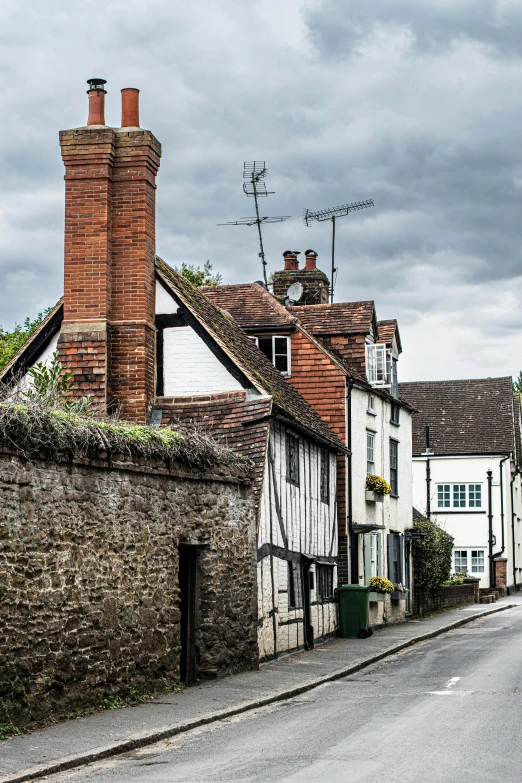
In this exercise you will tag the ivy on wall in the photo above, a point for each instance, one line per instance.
(432, 555)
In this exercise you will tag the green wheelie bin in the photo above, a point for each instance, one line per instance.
(354, 610)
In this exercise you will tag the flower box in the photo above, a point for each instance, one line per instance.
(374, 497)
(398, 595)
(377, 597)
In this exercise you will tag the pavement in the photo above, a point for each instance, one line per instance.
(78, 742)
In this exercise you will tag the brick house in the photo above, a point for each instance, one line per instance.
(137, 335)
(466, 472)
(344, 363)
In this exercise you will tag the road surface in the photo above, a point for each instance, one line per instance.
(447, 710)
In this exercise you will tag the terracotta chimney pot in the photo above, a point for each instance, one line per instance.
(130, 109)
(291, 260)
(310, 256)
(96, 93)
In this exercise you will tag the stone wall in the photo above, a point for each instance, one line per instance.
(89, 595)
(440, 598)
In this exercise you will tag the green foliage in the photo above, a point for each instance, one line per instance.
(52, 385)
(11, 342)
(198, 276)
(381, 585)
(456, 579)
(431, 555)
(377, 484)
(9, 730)
(517, 384)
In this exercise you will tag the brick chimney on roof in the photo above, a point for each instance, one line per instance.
(314, 281)
(108, 332)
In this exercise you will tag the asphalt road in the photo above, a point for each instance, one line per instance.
(447, 710)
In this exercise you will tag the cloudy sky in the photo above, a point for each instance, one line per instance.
(414, 103)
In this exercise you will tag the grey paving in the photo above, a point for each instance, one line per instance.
(104, 733)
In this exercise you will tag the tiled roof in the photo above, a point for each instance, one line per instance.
(45, 331)
(387, 330)
(250, 305)
(464, 417)
(240, 423)
(247, 357)
(336, 318)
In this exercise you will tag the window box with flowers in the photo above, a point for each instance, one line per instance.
(379, 588)
(400, 592)
(376, 488)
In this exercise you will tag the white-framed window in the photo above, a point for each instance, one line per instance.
(373, 554)
(470, 561)
(370, 405)
(276, 348)
(377, 364)
(457, 496)
(394, 467)
(370, 452)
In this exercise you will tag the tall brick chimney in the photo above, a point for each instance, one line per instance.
(108, 333)
(314, 281)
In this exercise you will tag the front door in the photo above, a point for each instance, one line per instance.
(308, 628)
(187, 604)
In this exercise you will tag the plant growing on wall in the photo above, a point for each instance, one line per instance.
(432, 555)
(377, 484)
(52, 385)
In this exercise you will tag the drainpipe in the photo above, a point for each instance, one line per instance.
(354, 564)
(428, 473)
(497, 554)
(490, 531)
(517, 471)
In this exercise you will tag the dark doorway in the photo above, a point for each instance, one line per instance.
(307, 586)
(187, 604)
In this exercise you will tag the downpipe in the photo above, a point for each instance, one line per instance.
(490, 530)
(513, 515)
(354, 565)
(502, 550)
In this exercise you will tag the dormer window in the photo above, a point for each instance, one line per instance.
(377, 364)
(277, 349)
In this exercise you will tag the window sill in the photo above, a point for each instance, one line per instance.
(395, 423)
(392, 495)
(463, 511)
(371, 413)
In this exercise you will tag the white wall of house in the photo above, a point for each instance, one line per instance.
(395, 513)
(469, 526)
(294, 521)
(190, 367)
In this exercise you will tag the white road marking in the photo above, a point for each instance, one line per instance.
(451, 682)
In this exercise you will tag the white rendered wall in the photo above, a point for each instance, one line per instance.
(394, 513)
(310, 527)
(469, 528)
(44, 357)
(190, 367)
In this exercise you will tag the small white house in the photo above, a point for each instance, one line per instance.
(466, 472)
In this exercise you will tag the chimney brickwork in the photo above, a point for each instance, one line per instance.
(108, 334)
(315, 283)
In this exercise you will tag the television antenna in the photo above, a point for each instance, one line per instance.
(332, 214)
(254, 172)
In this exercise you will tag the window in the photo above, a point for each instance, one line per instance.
(471, 561)
(395, 557)
(394, 467)
(370, 452)
(394, 381)
(277, 350)
(325, 477)
(373, 554)
(376, 364)
(457, 496)
(325, 588)
(371, 405)
(292, 459)
(295, 594)
(395, 413)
